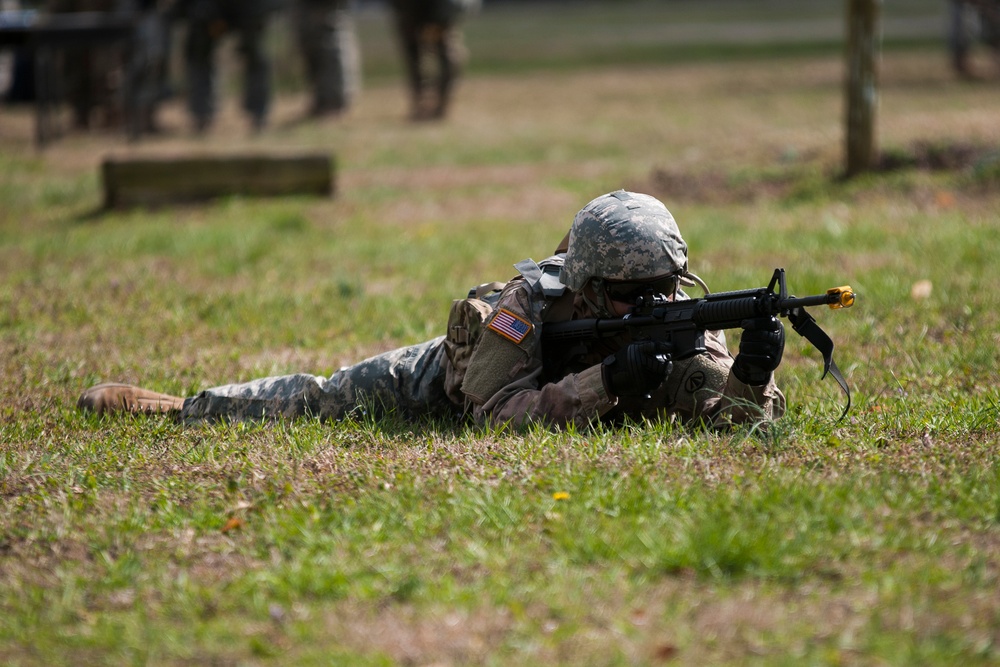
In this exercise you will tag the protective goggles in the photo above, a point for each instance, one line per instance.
(629, 292)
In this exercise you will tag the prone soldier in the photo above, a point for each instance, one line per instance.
(490, 364)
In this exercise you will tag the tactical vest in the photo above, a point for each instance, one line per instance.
(468, 316)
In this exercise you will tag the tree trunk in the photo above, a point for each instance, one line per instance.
(863, 45)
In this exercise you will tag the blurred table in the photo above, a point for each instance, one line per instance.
(44, 36)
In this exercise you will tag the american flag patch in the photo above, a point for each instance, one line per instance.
(510, 326)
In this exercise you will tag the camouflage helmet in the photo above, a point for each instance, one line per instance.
(623, 236)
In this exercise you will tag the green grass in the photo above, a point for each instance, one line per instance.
(134, 564)
(873, 540)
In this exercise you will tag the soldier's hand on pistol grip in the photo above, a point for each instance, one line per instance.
(761, 347)
(637, 369)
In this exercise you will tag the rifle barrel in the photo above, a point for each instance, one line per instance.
(808, 301)
(720, 310)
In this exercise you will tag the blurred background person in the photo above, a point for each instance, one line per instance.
(970, 21)
(329, 46)
(17, 76)
(92, 74)
(207, 23)
(148, 67)
(433, 51)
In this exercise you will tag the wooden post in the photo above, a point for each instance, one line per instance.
(130, 181)
(863, 46)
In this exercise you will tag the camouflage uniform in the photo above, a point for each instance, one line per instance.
(408, 381)
(207, 22)
(148, 67)
(508, 382)
(330, 48)
(430, 29)
(507, 378)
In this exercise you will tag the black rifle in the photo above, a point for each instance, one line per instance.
(683, 323)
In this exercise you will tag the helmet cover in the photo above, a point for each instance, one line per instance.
(624, 236)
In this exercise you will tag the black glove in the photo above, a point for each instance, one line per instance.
(761, 348)
(637, 369)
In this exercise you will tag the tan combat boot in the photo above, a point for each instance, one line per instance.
(113, 397)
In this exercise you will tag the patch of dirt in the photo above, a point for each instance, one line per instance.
(714, 187)
(717, 187)
(414, 637)
(927, 156)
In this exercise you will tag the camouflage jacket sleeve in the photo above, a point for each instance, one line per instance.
(504, 382)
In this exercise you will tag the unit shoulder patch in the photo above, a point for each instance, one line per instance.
(509, 325)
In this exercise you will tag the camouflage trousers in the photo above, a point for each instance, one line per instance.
(330, 49)
(434, 55)
(202, 77)
(409, 382)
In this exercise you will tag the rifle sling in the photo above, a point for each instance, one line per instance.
(805, 326)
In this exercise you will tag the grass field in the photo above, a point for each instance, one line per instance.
(872, 541)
